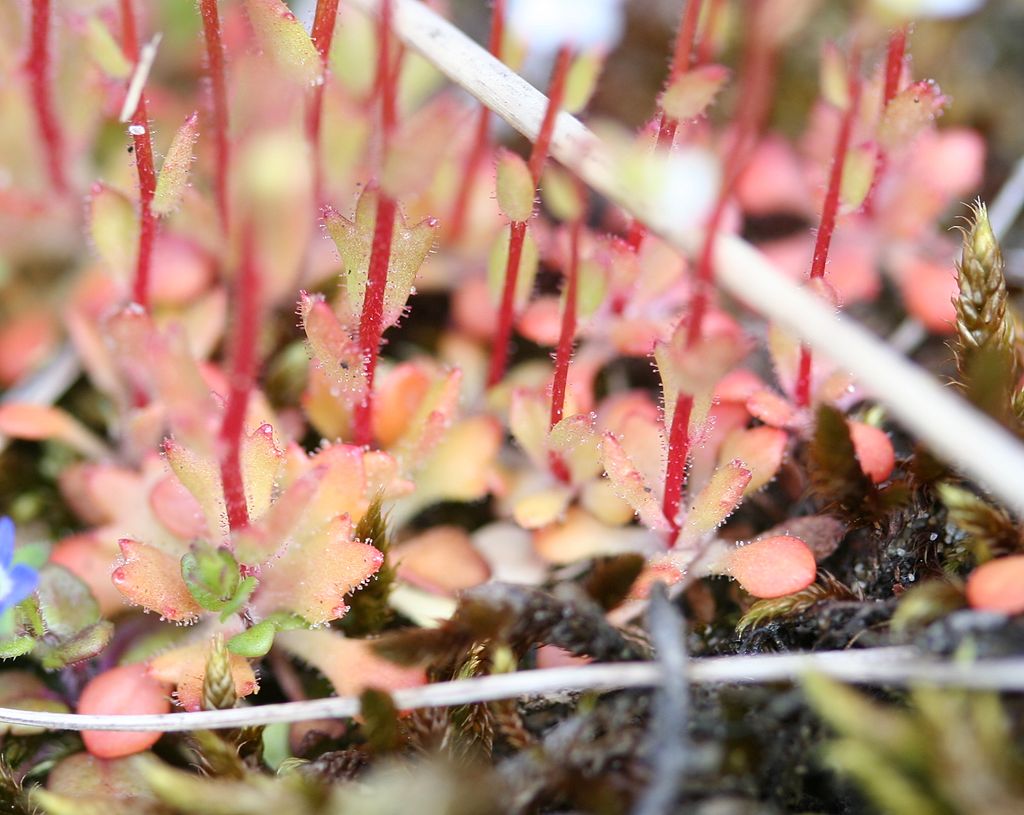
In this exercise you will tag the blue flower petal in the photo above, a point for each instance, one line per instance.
(6, 541)
(24, 580)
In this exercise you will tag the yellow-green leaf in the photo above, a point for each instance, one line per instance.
(858, 176)
(170, 184)
(835, 81)
(562, 194)
(515, 187)
(114, 228)
(105, 51)
(410, 246)
(581, 81)
(281, 35)
(716, 502)
(690, 95)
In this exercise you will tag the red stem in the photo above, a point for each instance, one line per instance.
(143, 164)
(758, 82)
(563, 354)
(678, 453)
(893, 73)
(827, 226)
(373, 311)
(681, 59)
(538, 155)
(682, 56)
(483, 131)
(240, 382)
(499, 351)
(556, 93)
(323, 35)
(370, 325)
(215, 64)
(387, 75)
(38, 66)
(894, 64)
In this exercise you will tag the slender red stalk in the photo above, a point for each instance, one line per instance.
(556, 93)
(372, 318)
(567, 334)
(387, 75)
(143, 145)
(678, 454)
(682, 56)
(758, 82)
(499, 351)
(373, 311)
(38, 66)
(827, 226)
(893, 73)
(894, 64)
(323, 35)
(242, 374)
(218, 86)
(483, 132)
(538, 155)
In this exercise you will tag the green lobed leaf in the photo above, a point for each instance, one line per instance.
(85, 644)
(213, 579)
(65, 602)
(254, 642)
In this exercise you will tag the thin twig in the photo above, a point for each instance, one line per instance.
(979, 447)
(880, 666)
(669, 736)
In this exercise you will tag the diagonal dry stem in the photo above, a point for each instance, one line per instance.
(978, 445)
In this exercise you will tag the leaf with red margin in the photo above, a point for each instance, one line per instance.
(716, 502)
(313, 575)
(631, 486)
(201, 477)
(578, 444)
(334, 352)
(152, 578)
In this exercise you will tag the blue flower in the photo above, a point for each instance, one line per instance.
(17, 580)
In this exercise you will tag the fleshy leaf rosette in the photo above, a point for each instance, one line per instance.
(297, 557)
